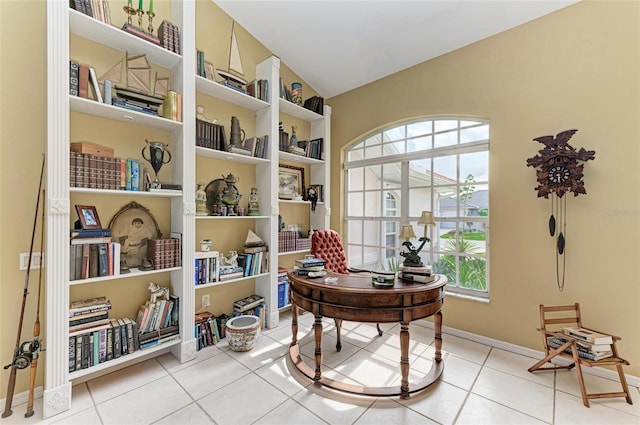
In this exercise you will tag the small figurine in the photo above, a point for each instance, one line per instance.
(312, 196)
(158, 292)
(253, 207)
(201, 200)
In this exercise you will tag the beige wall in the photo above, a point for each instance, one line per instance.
(576, 68)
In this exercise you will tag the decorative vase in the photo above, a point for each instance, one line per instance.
(242, 332)
(296, 93)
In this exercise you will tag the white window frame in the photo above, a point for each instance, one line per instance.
(387, 156)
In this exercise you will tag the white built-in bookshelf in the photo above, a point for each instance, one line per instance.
(62, 24)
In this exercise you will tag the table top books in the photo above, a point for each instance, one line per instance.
(416, 274)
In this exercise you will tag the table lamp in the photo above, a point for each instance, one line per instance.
(411, 258)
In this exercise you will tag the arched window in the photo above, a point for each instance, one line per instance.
(436, 164)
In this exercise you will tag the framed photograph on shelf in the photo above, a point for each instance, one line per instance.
(132, 227)
(290, 181)
(88, 216)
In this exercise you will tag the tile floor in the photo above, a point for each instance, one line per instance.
(479, 385)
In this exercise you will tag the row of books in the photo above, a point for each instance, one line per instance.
(283, 289)
(154, 316)
(98, 9)
(99, 172)
(290, 240)
(253, 146)
(204, 68)
(169, 36)
(210, 135)
(89, 258)
(310, 148)
(102, 343)
(315, 104)
(209, 329)
(110, 341)
(164, 253)
(258, 89)
(83, 80)
(209, 268)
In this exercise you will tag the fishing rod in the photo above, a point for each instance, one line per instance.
(34, 345)
(22, 355)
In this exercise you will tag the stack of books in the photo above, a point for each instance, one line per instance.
(84, 315)
(207, 330)
(252, 305)
(585, 350)
(591, 345)
(416, 274)
(311, 267)
(247, 303)
(135, 100)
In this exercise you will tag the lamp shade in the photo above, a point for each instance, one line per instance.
(407, 232)
(426, 218)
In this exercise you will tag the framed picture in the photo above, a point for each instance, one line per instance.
(290, 181)
(88, 217)
(132, 227)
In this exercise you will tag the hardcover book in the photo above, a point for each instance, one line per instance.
(588, 335)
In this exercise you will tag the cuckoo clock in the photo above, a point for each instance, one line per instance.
(559, 169)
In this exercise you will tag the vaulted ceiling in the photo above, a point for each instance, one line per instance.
(336, 46)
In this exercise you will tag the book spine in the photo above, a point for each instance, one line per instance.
(83, 81)
(108, 92)
(74, 74)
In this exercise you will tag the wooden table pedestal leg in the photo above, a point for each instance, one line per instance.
(437, 323)
(317, 327)
(294, 324)
(404, 360)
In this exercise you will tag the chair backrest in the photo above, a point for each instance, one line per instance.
(327, 244)
(553, 318)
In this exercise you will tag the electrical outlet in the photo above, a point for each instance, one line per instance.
(36, 260)
(206, 301)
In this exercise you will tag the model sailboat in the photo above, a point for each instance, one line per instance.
(137, 75)
(233, 74)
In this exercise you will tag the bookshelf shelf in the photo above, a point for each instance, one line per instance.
(298, 252)
(136, 356)
(228, 156)
(233, 217)
(214, 89)
(289, 157)
(115, 38)
(297, 111)
(163, 194)
(102, 110)
(134, 273)
(228, 281)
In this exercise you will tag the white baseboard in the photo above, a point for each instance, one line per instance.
(22, 398)
(534, 354)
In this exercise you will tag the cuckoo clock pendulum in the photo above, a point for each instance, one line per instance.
(559, 169)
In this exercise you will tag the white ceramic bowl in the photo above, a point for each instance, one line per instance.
(242, 332)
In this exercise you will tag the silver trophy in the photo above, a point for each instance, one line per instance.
(156, 158)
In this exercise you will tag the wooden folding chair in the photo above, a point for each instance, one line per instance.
(552, 320)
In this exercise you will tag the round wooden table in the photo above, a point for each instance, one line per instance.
(355, 298)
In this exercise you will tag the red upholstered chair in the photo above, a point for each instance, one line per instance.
(327, 244)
